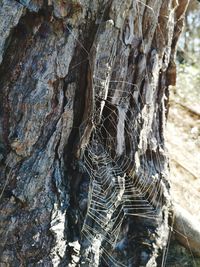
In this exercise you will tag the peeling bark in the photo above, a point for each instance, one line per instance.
(72, 71)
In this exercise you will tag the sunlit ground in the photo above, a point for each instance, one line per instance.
(183, 139)
(183, 128)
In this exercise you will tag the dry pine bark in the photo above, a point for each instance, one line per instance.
(84, 93)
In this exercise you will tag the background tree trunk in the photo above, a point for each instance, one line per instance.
(84, 93)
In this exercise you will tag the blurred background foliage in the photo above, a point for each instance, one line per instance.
(188, 59)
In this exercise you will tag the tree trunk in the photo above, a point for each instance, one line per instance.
(84, 93)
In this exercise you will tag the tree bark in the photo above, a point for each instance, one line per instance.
(84, 94)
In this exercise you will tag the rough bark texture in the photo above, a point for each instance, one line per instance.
(74, 74)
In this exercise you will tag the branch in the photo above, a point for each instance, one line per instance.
(185, 168)
(187, 230)
(189, 109)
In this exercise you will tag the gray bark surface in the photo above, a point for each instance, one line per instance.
(71, 74)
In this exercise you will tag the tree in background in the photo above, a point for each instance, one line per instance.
(189, 46)
(187, 89)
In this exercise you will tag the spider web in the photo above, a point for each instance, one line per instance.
(121, 183)
(118, 187)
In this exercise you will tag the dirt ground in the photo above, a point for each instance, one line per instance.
(183, 143)
(183, 138)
